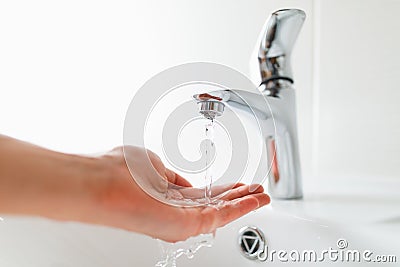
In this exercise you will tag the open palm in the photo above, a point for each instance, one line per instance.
(125, 205)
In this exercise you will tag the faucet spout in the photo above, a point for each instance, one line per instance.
(279, 126)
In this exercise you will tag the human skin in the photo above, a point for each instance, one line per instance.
(100, 190)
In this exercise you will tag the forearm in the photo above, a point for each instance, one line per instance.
(37, 181)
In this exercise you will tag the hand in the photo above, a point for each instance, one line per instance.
(100, 190)
(123, 204)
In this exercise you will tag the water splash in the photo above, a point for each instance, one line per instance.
(172, 251)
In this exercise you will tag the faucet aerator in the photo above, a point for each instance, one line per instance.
(211, 109)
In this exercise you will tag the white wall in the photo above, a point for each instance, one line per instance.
(69, 70)
(358, 88)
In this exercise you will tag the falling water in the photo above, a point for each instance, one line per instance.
(172, 251)
(209, 175)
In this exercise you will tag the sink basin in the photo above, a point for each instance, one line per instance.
(364, 220)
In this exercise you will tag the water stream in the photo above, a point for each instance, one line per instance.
(172, 251)
(209, 173)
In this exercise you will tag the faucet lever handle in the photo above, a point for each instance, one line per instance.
(276, 44)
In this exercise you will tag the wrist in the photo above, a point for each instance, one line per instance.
(82, 196)
(66, 191)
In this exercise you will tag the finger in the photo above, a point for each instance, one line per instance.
(221, 189)
(242, 191)
(176, 179)
(212, 218)
(255, 188)
(192, 193)
(233, 210)
(238, 184)
(263, 199)
(198, 193)
(239, 207)
(182, 181)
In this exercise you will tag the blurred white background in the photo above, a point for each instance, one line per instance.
(68, 71)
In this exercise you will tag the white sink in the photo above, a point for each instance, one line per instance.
(366, 220)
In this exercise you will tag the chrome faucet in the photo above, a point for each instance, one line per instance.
(279, 127)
